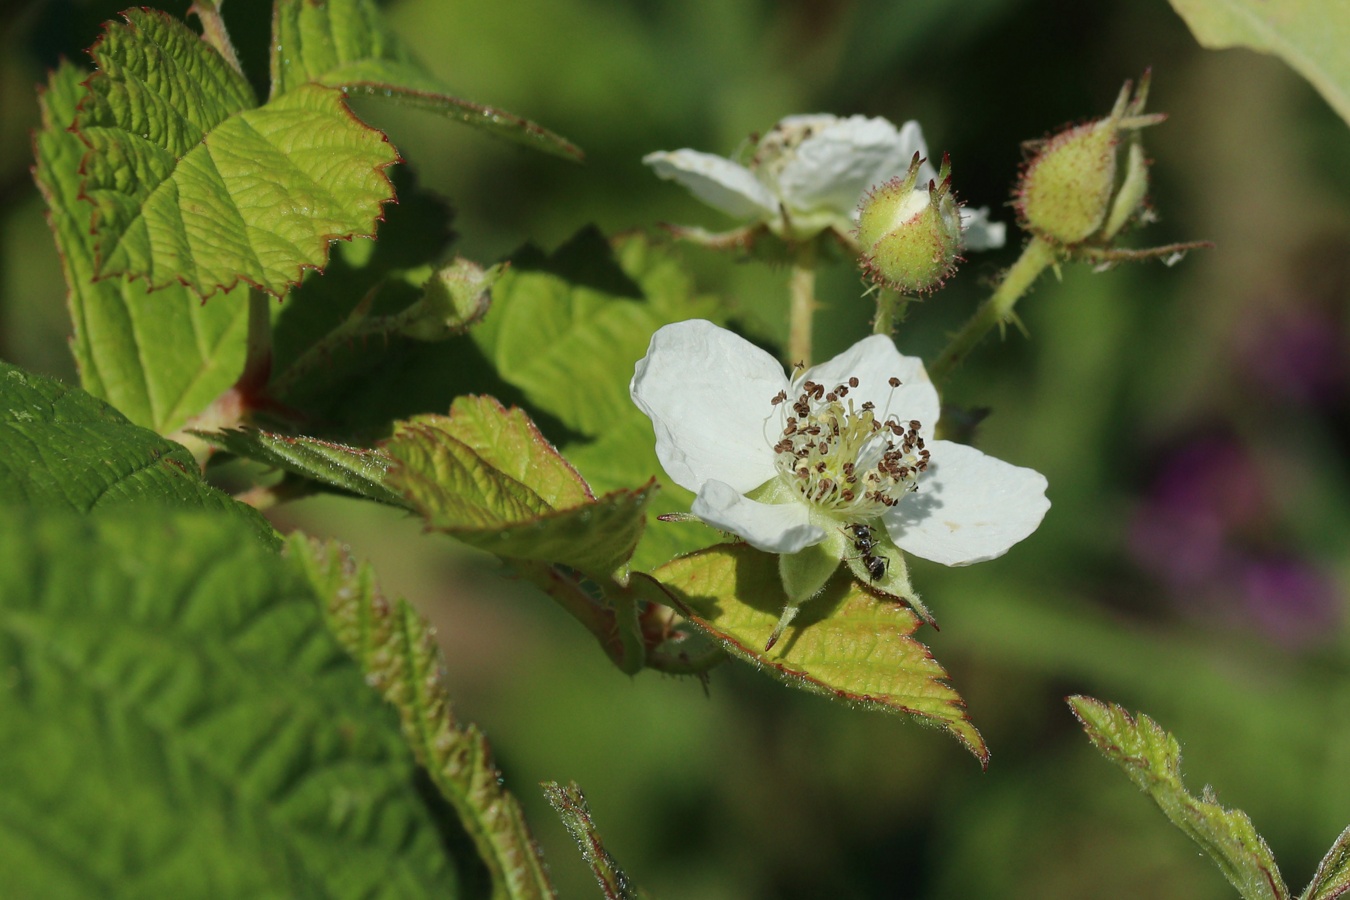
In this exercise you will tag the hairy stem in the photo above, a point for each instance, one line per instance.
(802, 293)
(213, 30)
(891, 308)
(998, 309)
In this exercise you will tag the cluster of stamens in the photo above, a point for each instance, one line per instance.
(844, 457)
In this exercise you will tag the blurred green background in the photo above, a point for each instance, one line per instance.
(1193, 422)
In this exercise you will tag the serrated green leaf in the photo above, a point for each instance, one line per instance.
(1332, 880)
(1309, 35)
(177, 721)
(60, 448)
(448, 468)
(570, 805)
(347, 44)
(399, 656)
(190, 184)
(845, 644)
(568, 329)
(1152, 759)
(357, 470)
(160, 358)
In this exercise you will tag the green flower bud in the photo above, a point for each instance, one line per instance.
(1073, 191)
(911, 239)
(453, 298)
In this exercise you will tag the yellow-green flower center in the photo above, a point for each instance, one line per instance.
(847, 459)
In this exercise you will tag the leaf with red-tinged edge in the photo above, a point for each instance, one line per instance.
(347, 44)
(535, 508)
(159, 357)
(1332, 880)
(1152, 759)
(845, 643)
(511, 443)
(193, 184)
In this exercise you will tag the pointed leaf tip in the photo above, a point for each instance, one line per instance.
(846, 644)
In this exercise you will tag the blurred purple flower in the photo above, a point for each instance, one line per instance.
(1198, 531)
(1293, 602)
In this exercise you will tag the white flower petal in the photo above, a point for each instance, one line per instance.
(969, 507)
(716, 181)
(833, 168)
(978, 233)
(709, 395)
(874, 361)
(773, 528)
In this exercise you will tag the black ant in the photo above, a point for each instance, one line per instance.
(865, 543)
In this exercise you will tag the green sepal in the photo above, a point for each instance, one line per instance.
(805, 572)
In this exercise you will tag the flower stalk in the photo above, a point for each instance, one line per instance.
(802, 303)
(998, 308)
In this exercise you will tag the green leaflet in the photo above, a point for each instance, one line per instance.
(1310, 35)
(178, 721)
(399, 656)
(845, 644)
(485, 475)
(159, 358)
(62, 449)
(346, 44)
(190, 184)
(1152, 759)
(353, 469)
(567, 329)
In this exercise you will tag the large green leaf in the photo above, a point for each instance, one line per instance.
(399, 656)
(159, 358)
(61, 448)
(176, 720)
(191, 184)
(1152, 759)
(485, 475)
(1312, 36)
(845, 643)
(347, 44)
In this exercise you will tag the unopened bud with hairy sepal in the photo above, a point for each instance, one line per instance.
(911, 239)
(1073, 190)
(453, 298)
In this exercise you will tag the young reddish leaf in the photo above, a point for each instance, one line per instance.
(1152, 759)
(190, 184)
(846, 643)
